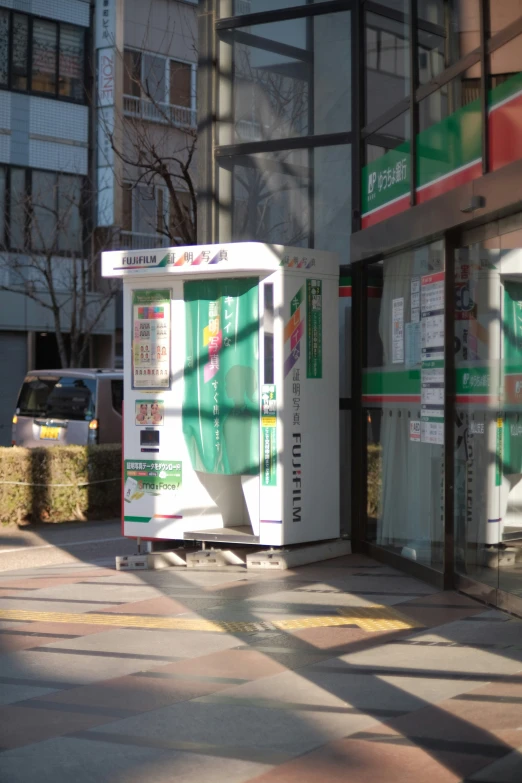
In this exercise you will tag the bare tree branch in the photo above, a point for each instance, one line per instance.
(54, 269)
(154, 137)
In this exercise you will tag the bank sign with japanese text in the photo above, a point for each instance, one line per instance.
(448, 154)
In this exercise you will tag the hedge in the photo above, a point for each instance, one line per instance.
(60, 483)
(374, 480)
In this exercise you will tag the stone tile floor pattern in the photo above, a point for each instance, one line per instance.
(234, 676)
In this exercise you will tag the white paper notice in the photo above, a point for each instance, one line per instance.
(415, 431)
(432, 354)
(432, 387)
(415, 299)
(433, 292)
(151, 339)
(432, 432)
(398, 330)
(432, 314)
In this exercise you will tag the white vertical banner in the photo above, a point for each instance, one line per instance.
(107, 43)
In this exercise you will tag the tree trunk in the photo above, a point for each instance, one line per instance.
(59, 339)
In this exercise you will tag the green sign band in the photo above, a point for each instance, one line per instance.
(314, 329)
(449, 153)
(269, 435)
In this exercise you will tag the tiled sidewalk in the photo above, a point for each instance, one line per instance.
(415, 685)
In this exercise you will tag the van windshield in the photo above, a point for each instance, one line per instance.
(58, 398)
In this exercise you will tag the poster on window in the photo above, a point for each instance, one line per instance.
(432, 367)
(398, 330)
(151, 339)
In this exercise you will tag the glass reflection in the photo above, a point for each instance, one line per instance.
(488, 428)
(405, 425)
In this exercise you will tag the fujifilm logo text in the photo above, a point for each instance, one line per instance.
(138, 260)
(296, 477)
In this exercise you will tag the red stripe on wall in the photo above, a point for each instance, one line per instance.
(368, 398)
(345, 291)
(450, 182)
(505, 136)
(388, 210)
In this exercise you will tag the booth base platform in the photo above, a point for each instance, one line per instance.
(243, 558)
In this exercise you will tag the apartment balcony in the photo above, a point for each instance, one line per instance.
(164, 113)
(131, 240)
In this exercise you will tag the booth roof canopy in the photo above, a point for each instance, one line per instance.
(238, 258)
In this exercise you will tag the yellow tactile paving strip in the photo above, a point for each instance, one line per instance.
(369, 618)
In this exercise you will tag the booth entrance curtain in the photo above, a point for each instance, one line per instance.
(221, 396)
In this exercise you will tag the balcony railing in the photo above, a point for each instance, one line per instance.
(131, 240)
(163, 113)
(246, 130)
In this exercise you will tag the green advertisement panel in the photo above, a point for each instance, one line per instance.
(314, 329)
(512, 442)
(221, 397)
(269, 435)
(150, 477)
(513, 323)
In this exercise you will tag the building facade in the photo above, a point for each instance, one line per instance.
(389, 132)
(145, 126)
(90, 91)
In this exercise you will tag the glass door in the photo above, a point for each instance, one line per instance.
(488, 408)
(403, 404)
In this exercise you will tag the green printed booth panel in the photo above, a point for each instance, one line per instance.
(221, 396)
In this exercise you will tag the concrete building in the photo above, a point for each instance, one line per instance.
(390, 132)
(89, 91)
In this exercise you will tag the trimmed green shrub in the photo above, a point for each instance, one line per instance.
(374, 479)
(60, 483)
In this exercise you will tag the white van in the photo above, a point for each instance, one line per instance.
(66, 407)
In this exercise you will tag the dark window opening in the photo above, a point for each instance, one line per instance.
(45, 57)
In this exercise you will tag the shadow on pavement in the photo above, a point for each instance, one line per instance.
(191, 707)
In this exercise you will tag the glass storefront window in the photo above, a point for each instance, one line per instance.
(449, 143)
(488, 429)
(291, 78)
(386, 176)
(505, 104)
(403, 403)
(386, 63)
(293, 197)
(240, 7)
(432, 11)
(345, 440)
(447, 31)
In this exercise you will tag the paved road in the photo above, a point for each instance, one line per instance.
(41, 545)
